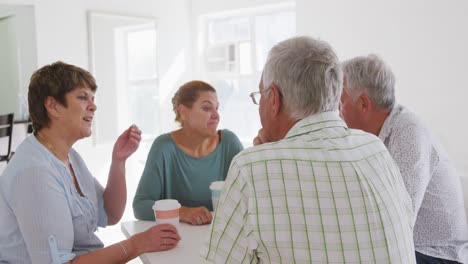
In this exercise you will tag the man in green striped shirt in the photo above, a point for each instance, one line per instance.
(319, 192)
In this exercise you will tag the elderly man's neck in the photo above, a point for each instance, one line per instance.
(284, 124)
(376, 120)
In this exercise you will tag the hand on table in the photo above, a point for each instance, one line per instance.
(195, 216)
(159, 238)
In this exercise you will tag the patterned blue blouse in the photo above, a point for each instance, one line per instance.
(43, 219)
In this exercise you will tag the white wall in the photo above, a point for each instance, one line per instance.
(425, 43)
(9, 74)
(14, 76)
(199, 7)
(61, 28)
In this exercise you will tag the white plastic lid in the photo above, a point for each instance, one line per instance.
(166, 204)
(217, 185)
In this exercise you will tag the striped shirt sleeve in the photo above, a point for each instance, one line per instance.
(231, 239)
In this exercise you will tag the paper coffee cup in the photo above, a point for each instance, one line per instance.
(166, 211)
(216, 188)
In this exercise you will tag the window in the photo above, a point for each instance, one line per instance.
(235, 49)
(124, 63)
(123, 59)
(141, 91)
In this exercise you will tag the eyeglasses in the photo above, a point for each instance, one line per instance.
(256, 96)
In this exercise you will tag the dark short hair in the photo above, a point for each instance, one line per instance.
(54, 80)
(188, 93)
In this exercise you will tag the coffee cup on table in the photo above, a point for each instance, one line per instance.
(166, 211)
(216, 188)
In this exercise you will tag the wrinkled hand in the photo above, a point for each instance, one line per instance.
(159, 238)
(260, 138)
(127, 143)
(195, 216)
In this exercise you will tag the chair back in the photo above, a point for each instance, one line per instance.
(29, 129)
(6, 130)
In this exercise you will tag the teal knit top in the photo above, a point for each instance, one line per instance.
(172, 174)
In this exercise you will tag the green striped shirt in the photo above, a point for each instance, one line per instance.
(323, 194)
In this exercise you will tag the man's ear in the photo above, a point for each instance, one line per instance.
(276, 99)
(364, 103)
(51, 105)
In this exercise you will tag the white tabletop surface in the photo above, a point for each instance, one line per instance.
(186, 252)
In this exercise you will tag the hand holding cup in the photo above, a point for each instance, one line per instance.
(157, 238)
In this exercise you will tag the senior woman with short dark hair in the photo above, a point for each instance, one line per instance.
(50, 204)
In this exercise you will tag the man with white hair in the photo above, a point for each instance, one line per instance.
(318, 192)
(368, 103)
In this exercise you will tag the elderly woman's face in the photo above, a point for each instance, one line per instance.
(203, 116)
(79, 113)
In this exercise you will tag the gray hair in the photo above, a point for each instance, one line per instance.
(308, 75)
(372, 76)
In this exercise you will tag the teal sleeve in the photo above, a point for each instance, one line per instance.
(233, 147)
(150, 187)
(238, 147)
(234, 144)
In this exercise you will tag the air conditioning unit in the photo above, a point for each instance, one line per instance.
(222, 58)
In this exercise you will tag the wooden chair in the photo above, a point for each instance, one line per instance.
(6, 130)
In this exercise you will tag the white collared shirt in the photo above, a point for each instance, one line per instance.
(433, 184)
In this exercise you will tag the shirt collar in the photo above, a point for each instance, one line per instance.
(389, 122)
(316, 122)
(43, 149)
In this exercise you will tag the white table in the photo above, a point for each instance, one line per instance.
(187, 251)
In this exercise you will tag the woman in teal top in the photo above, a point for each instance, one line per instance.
(182, 164)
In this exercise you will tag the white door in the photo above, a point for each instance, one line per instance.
(9, 67)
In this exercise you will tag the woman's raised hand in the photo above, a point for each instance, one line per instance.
(127, 143)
